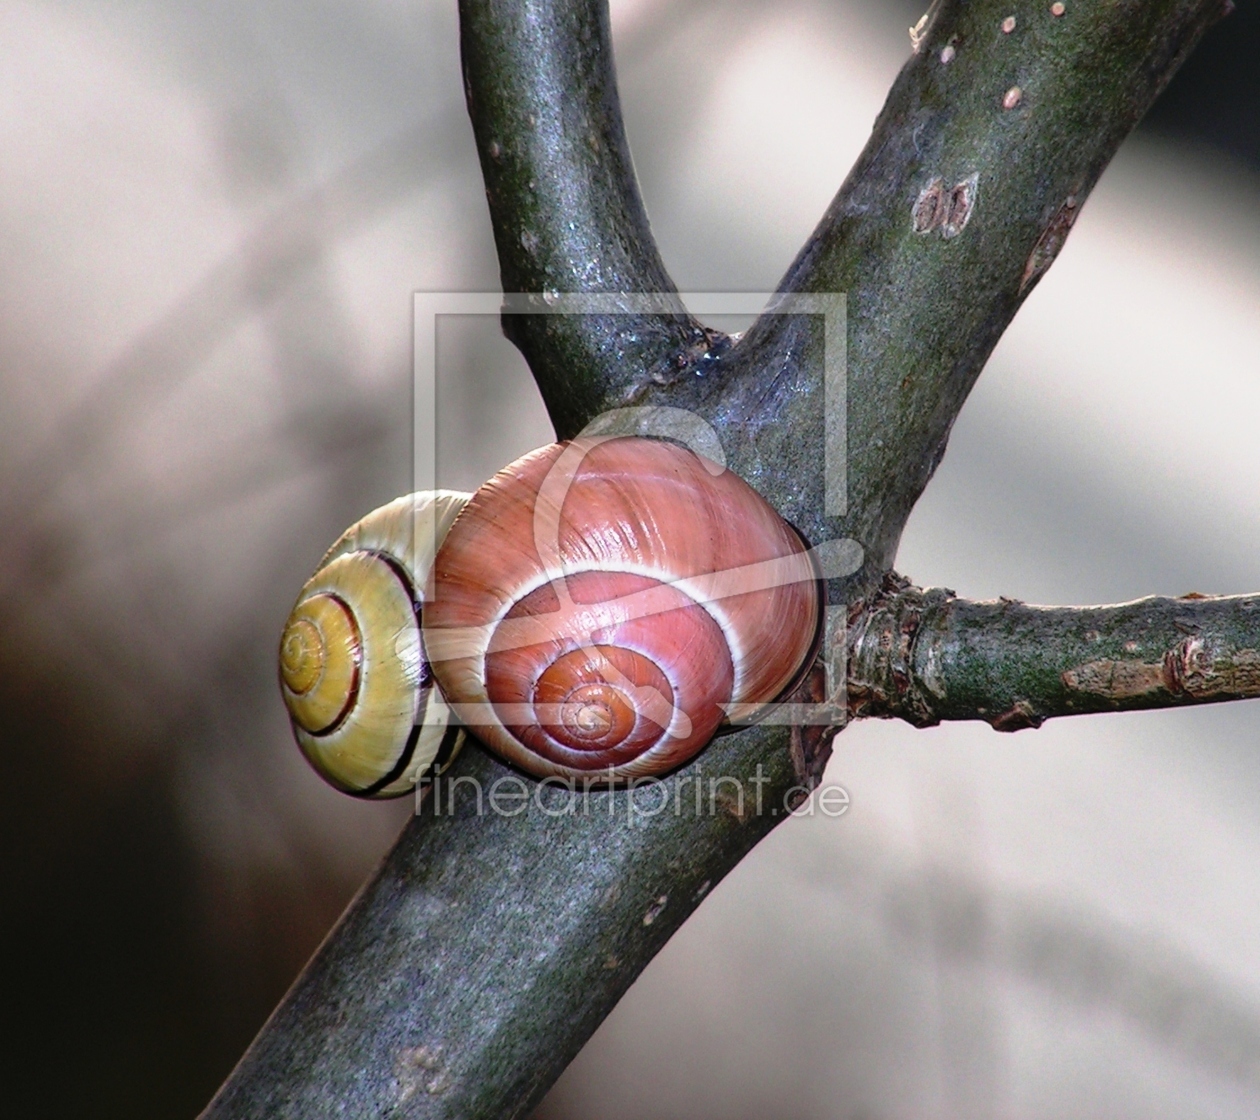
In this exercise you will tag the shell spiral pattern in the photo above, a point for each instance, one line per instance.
(599, 605)
(353, 674)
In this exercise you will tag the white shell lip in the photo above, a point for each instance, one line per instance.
(410, 529)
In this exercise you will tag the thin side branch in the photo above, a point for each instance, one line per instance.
(926, 656)
(565, 205)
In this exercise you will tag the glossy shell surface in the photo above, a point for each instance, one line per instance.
(600, 604)
(353, 673)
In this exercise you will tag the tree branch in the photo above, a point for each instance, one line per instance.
(926, 656)
(488, 947)
(952, 213)
(565, 206)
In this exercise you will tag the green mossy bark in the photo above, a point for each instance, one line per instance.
(1016, 665)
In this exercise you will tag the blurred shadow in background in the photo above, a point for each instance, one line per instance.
(212, 219)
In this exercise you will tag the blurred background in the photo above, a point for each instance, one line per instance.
(212, 218)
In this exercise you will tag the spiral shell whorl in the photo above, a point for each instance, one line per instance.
(352, 670)
(321, 654)
(599, 604)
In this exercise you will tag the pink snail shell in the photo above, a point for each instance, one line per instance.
(599, 605)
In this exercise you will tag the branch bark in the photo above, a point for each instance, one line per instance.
(953, 212)
(487, 948)
(564, 204)
(926, 656)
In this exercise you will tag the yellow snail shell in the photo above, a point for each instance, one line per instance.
(599, 605)
(359, 692)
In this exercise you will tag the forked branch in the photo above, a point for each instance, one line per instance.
(487, 948)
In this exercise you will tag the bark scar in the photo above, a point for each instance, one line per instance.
(947, 209)
(1116, 679)
(811, 744)
(1188, 669)
(421, 1069)
(1050, 242)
